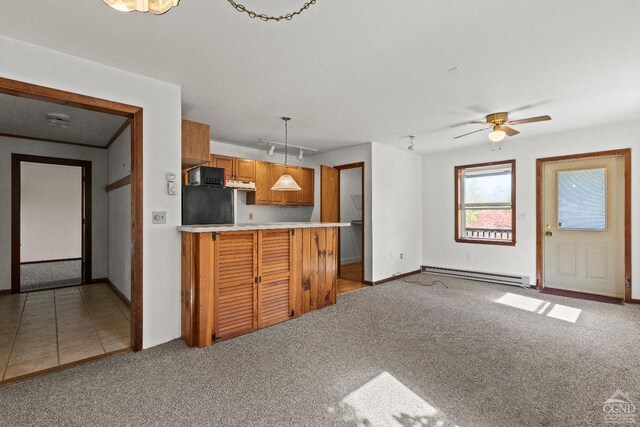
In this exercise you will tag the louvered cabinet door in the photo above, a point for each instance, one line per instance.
(274, 270)
(234, 284)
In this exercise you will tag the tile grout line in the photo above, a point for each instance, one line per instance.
(15, 336)
(55, 314)
(91, 317)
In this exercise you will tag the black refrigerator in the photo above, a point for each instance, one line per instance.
(207, 205)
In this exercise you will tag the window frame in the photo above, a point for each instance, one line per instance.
(459, 171)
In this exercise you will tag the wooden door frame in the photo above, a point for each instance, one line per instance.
(16, 179)
(626, 154)
(340, 169)
(42, 93)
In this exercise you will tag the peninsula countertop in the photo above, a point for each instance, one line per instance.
(218, 228)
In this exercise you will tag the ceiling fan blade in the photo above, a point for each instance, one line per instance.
(470, 133)
(479, 122)
(509, 131)
(529, 120)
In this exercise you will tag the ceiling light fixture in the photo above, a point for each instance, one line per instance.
(497, 134)
(157, 7)
(286, 181)
(58, 120)
(271, 149)
(264, 17)
(411, 145)
(301, 155)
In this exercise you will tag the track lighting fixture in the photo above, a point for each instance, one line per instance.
(411, 145)
(301, 154)
(271, 149)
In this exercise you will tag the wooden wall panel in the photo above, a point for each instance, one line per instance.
(322, 265)
(188, 288)
(295, 295)
(306, 270)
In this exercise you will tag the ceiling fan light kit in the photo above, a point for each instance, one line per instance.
(500, 126)
(157, 7)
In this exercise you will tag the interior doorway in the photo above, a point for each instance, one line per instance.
(70, 323)
(51, 201)
(584, 224)
(342, 200)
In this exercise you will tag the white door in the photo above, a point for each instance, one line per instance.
(584, 225)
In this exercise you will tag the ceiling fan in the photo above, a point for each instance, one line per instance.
(500, 125)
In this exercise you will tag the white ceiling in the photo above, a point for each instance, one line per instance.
(27, 117)
(355, 71)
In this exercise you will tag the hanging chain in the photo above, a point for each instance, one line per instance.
(288, 17)
(286, 142)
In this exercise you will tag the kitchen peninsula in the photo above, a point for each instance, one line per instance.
(237, 279)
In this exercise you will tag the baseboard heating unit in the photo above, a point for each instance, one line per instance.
(503, 279)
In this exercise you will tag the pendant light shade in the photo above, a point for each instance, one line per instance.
(286, 181)
(157, 7)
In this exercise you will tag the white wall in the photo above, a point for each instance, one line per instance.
(263, 213)
(439, 246)
(351, 237)
(397, 222)
(162, 133)
(98, 159)
(119, 210)
(50, 212)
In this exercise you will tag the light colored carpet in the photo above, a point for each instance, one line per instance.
(50, 275)
(395, 354)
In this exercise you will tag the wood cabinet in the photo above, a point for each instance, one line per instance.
(262, 195)
(275, 254)
(235, 168)
(235, 271)
(268, 173)
(245, 170)
(307, 183)
(195, 143)
(236, 282)
(277, 197)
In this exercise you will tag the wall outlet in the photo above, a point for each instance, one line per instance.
(401, 256)
(469, 257)
(250, 215)
(159, 217)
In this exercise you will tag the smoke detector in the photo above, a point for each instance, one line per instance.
(58, 119)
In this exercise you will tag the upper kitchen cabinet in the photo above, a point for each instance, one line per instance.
(264, 182)
(292, 198)
(195, 143)
(227, 163)
(307, 183)
(236, 169)
(245, 170)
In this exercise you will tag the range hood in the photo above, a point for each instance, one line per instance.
(241, 185)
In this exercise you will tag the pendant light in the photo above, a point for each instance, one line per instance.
(286, 181)
(157, 7)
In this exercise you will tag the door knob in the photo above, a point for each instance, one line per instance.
(548, 234)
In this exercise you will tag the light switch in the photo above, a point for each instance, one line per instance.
(160, 217)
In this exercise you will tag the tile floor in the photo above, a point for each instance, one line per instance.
(44, 329)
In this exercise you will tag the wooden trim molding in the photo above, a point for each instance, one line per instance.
(457, 212)
(626, 154)
(118, 184)
(392, 278)
(364, 211)
(16, 160)
(118, 292)
(46, 261)
(42, 93)
(55, 141)
(118, 133)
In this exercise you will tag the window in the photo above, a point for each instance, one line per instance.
(485, 203)
(582, 200)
